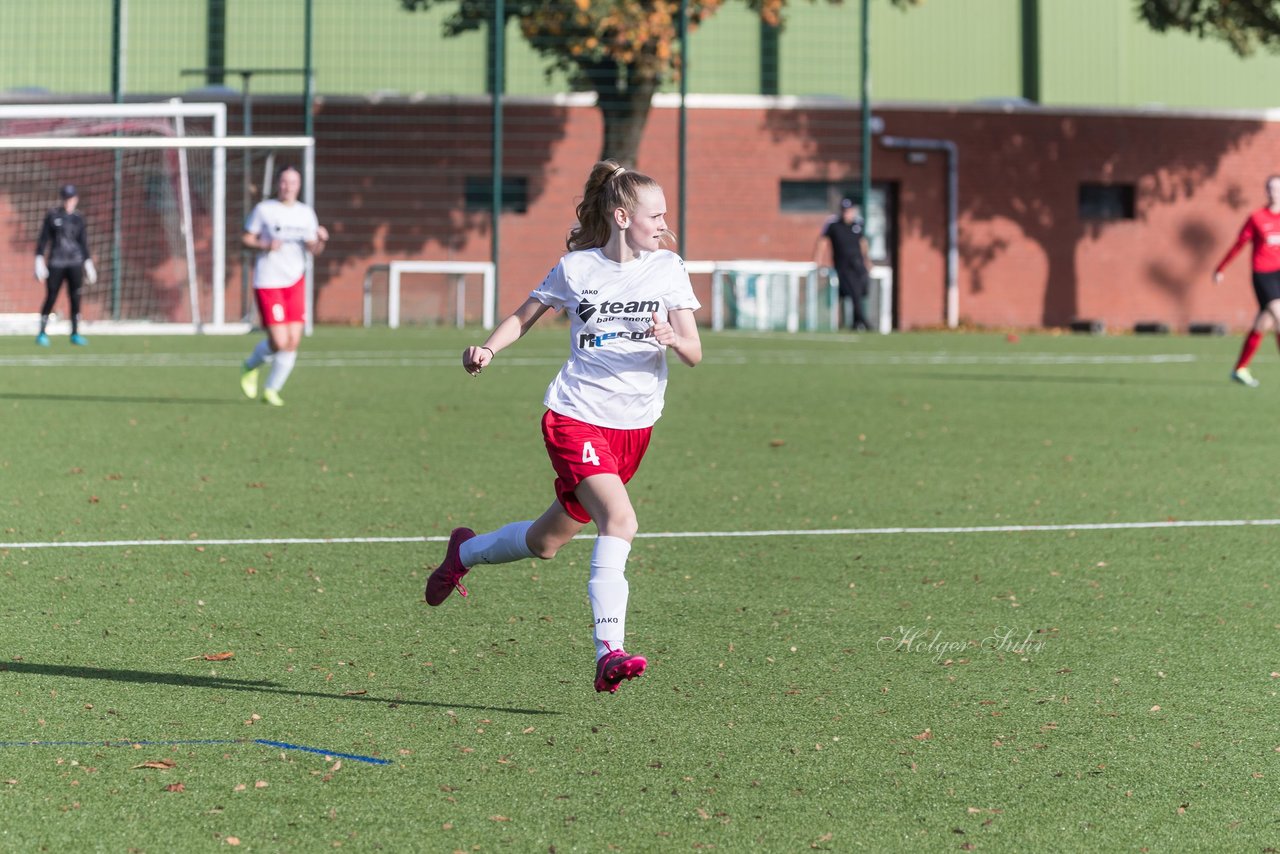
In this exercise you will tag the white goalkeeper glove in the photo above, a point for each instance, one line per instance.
(90, 272)
(42, 269)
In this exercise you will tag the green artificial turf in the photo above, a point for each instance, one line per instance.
(911, 678)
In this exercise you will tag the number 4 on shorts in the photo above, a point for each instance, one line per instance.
(589, 454)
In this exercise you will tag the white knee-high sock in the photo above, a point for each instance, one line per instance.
(259, 355)
(607, 588)
(501, 546)
(281, 367)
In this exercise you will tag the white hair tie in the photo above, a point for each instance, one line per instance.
(618, 171)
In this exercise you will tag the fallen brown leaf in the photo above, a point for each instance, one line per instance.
(158, 764)
(175, 787)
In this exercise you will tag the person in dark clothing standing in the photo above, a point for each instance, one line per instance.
(842, 244)
(64, 237)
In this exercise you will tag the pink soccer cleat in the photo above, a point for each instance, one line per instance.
(616, 666)
(448, 574)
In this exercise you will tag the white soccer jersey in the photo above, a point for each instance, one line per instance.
(295, 224)
(616, 374)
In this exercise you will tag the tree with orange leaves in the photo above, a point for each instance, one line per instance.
(1244, 24)
(623, 50)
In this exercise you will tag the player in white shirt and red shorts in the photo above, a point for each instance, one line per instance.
(283, 230)
(629, 300)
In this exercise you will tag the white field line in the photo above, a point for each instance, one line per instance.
(452, 359)
(811, 532)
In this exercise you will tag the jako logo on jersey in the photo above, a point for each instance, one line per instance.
(586, 310)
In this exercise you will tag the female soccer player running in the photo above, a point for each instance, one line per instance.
(628, 301)
(283, 230)
(1262, 229)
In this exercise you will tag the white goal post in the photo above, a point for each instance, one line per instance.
(790, 296)
(153, 185)
(457, 271)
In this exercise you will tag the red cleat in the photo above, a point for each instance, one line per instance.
(448, 574)
(617, 666)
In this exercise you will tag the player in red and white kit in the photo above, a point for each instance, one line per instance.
(283, 230)
(629, 300)
(1262, 229)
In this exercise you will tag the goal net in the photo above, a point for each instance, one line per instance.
(152, 187)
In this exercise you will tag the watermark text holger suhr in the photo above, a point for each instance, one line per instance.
(924, 641)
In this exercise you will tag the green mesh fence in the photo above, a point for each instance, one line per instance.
(407, 145)
(410, 147)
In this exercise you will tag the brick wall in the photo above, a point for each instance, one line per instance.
(1028, 259)
(391, 179)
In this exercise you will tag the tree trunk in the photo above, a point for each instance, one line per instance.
(625, 109)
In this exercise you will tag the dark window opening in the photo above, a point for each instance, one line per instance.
(814, 196)
(1106, 201)
(515, 193)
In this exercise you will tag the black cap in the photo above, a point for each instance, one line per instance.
(846, 203)
(67, 191)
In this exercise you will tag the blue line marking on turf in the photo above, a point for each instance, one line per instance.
(372, 760)
(261, 742)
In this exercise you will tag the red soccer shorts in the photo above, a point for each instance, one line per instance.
(283, 305)
(579, 450)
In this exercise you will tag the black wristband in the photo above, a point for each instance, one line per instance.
(492, 355)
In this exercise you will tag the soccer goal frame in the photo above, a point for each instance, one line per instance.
(458, 270)
(790, 296)
(212, 136)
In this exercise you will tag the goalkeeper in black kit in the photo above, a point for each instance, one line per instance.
(64, 238)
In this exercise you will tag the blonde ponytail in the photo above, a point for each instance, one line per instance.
(609, 186)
